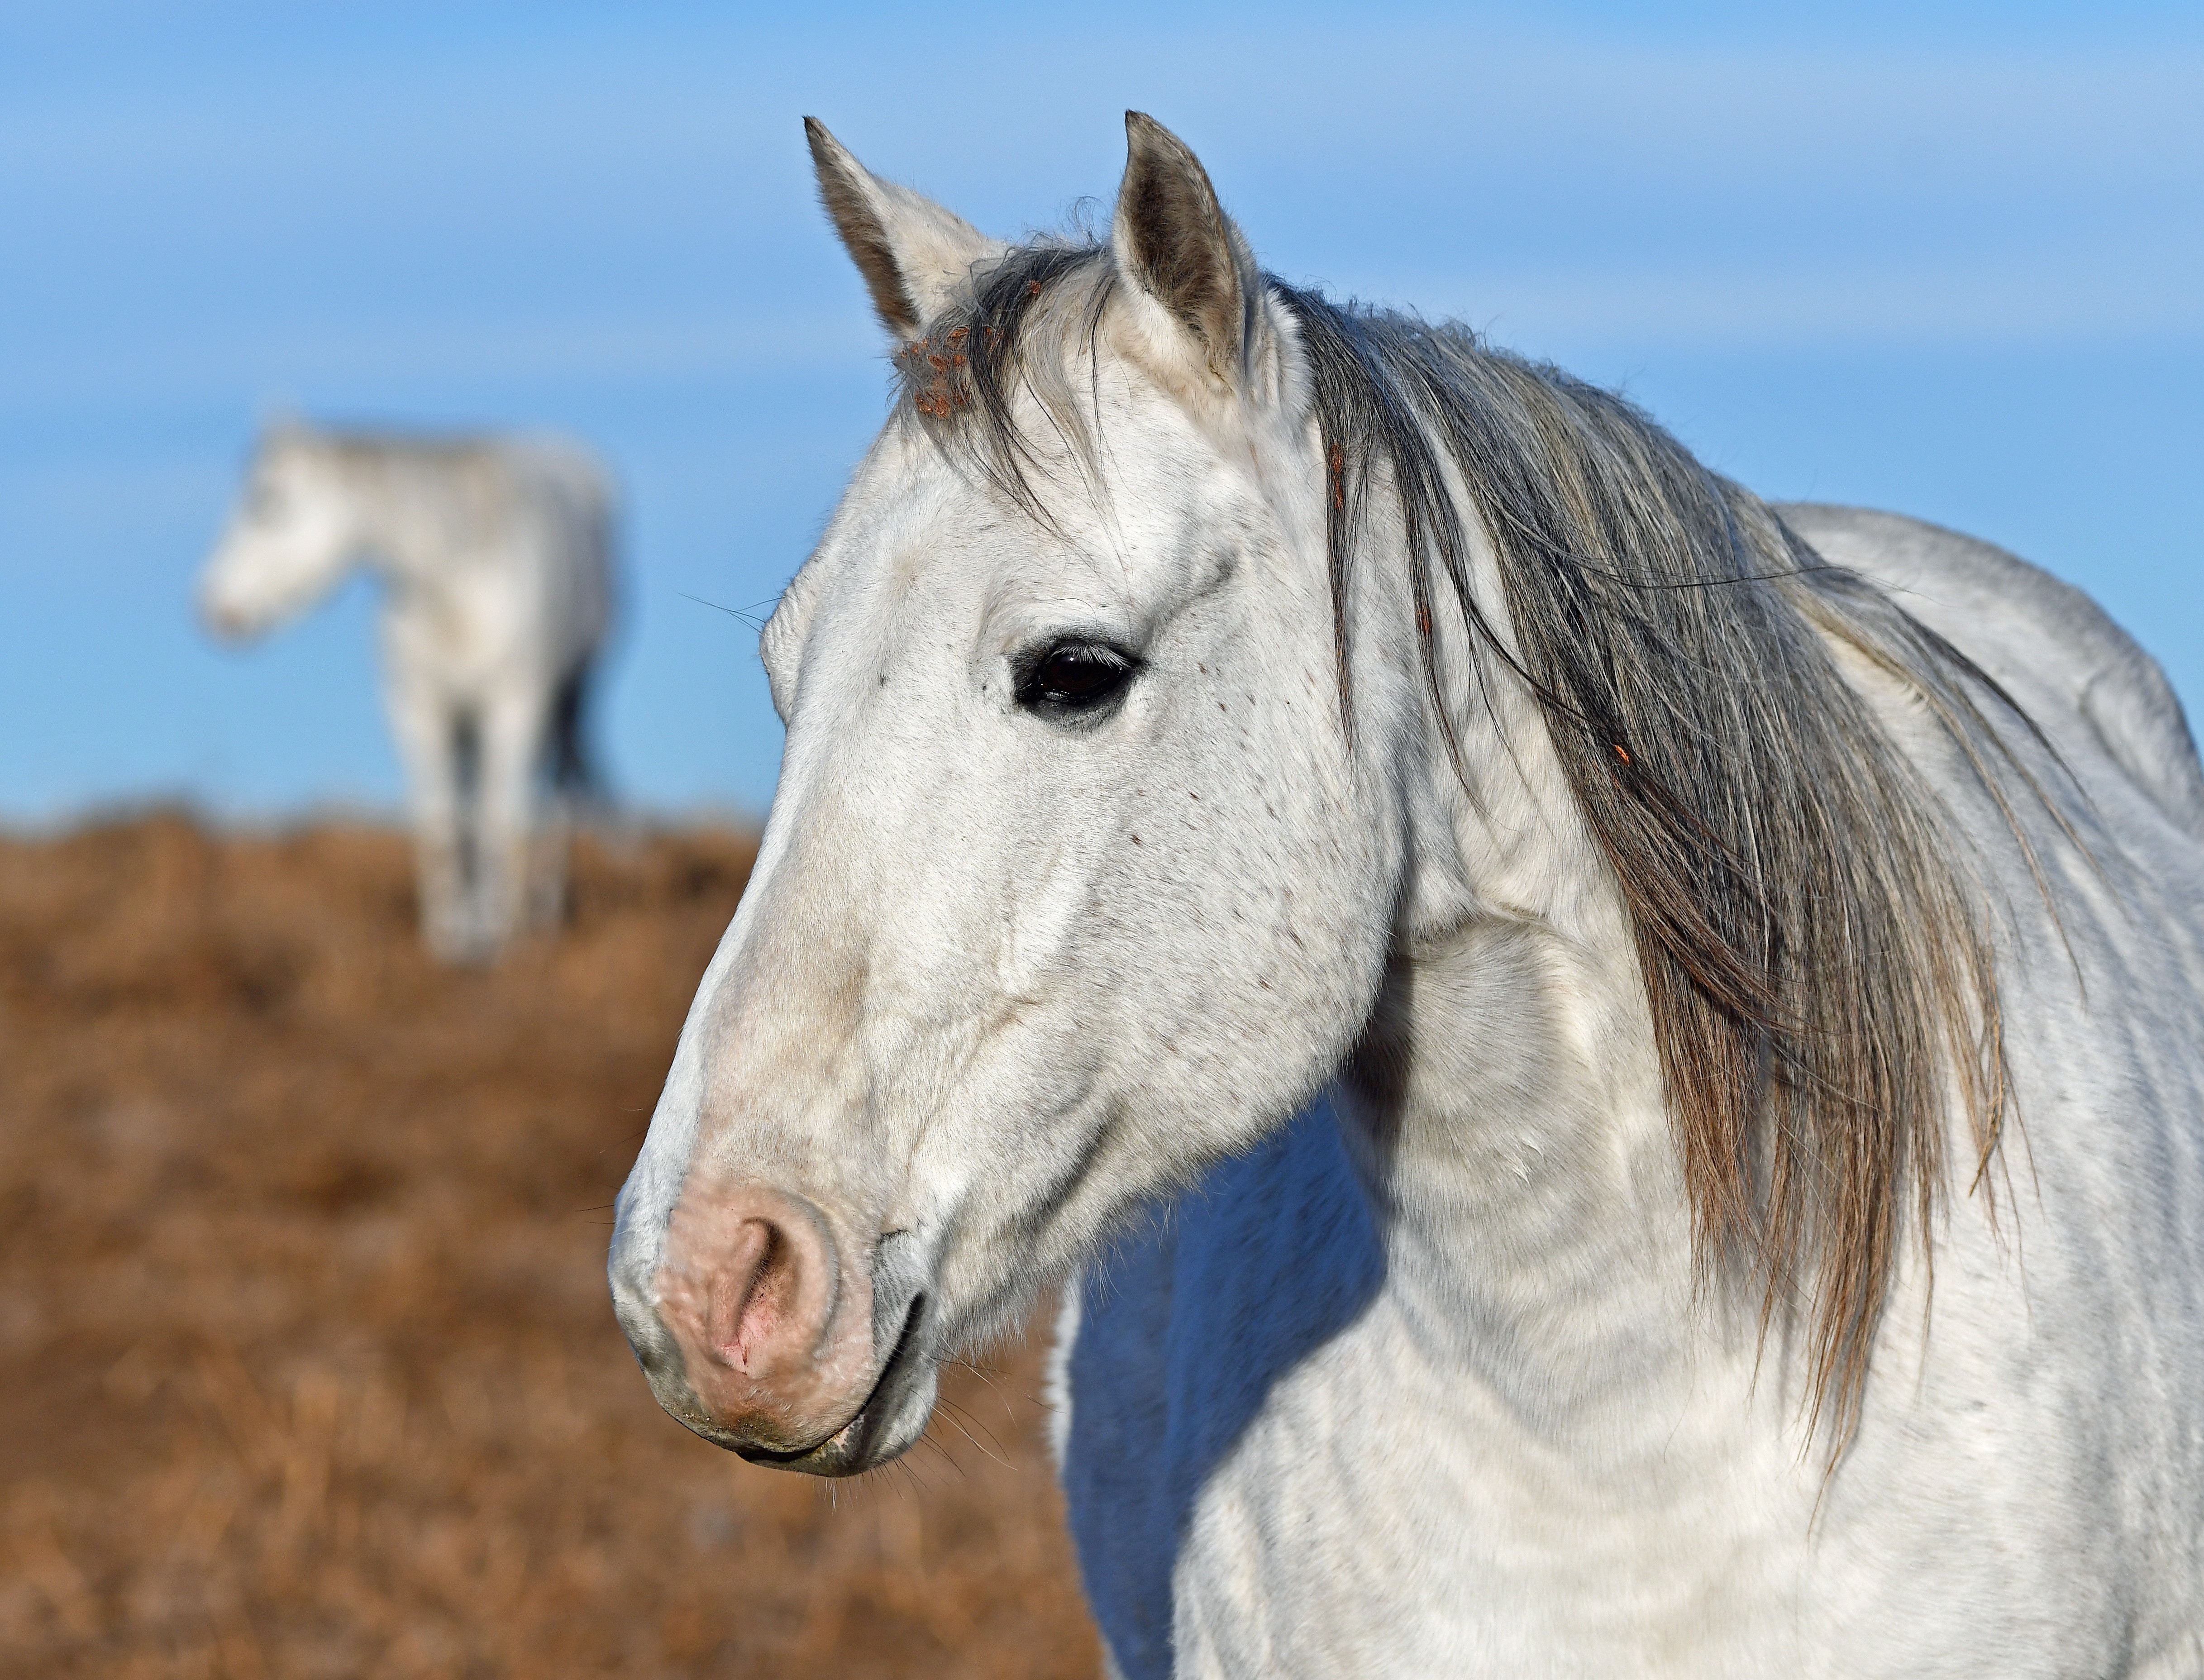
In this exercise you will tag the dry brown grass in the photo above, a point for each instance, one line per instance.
(308, 1367)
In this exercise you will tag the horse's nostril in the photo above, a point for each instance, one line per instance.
(749, 1286)
(756, 1296)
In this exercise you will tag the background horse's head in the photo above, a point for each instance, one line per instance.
(1071, 883)
(295, 532)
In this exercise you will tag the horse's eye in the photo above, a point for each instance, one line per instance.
(1074, 677)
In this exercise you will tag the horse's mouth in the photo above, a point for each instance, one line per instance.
(863, 1443)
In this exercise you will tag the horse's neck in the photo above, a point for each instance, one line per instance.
(1516, 1147)
(402, 523)
(1506, 1110)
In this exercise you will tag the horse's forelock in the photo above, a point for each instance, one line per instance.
(1812, 949)
(1017, 327)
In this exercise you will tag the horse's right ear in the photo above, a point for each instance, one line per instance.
(910, 250)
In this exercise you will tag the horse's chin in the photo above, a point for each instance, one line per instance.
(887, 1425)
(884, 1424)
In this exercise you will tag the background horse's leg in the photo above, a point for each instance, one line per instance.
(576, 794)
(427, 734)
(572, 764)
(513, 727)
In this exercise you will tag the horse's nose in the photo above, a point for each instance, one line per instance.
(223, 621)
(773, 1336)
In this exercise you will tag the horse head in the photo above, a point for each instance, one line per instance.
(1072, 885)
(294, 533)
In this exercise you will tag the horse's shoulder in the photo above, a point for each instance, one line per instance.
(2046, 641)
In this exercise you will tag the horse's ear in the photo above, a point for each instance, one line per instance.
(910, 250)
(1173, 241)
(278, 419)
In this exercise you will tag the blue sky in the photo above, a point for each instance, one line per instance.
(1948, 259)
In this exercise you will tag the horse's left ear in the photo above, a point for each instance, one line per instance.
(910, 250)
(1173, 241)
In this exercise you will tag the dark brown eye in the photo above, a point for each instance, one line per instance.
(1074, 678)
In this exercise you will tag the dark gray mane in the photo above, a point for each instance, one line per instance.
(1814, 956)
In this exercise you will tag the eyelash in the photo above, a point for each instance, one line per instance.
(1072, 678)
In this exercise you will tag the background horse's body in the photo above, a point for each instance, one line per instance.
(496, 559)
(1485, 1424)
(1598, 946)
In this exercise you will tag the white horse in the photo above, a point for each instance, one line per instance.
(1595, 943)
(495, 556)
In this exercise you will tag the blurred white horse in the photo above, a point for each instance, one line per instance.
(1595, 940)
(495, 556)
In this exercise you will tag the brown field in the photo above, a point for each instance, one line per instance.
(308, 1365)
